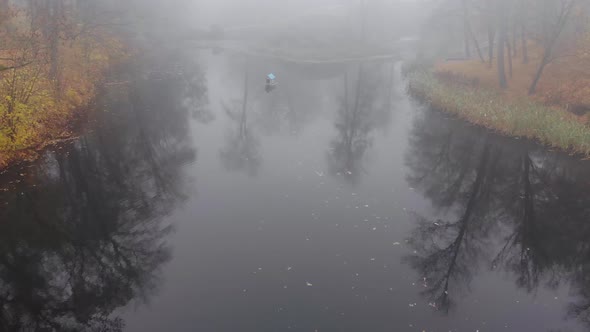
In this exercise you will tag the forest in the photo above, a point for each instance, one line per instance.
(519, 67)
(52, 54)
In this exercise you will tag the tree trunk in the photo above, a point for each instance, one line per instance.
(476, 43)
(514, 40)
(551, 41)
(525, 52)
(55, 11)
(501, 46)
(466, 32)
(539, 73)
(509, 59)
(491, 38)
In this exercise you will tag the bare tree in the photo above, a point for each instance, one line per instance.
(470, 35)
(502, 34)
(523, 37)
(550, 38)
(491, 32)
(510, 50)
(466, 30)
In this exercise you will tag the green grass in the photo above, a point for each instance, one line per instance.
(523, 118)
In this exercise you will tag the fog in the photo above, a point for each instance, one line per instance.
(384, 18)
(235, 12)
(294, 165)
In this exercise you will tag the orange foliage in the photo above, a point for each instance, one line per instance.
(35, 108)
(564, 85)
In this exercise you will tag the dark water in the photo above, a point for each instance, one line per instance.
(198, 202)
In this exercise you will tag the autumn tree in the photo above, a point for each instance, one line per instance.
(50, 60)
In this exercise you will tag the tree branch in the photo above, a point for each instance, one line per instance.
(4, 68)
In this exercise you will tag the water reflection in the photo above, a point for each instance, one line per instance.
(240, 152)
(194, 89)
(365, 106)
(297, 101)
(81, 234)
(504, 206)
(447, 250)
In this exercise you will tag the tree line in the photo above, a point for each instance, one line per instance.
(500, 32)
(52, 53)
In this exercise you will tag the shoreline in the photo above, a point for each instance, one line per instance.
(494, 111)
(289, 57)
(76, 122)
(19, 157)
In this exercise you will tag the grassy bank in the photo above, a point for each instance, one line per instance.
(523, 117)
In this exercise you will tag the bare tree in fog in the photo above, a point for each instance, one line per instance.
(509, 27)
(553, 27)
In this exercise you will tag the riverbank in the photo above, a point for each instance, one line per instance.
(327, 53)
(495, 110)
(48, 120)
(312, 56)
(46, 90)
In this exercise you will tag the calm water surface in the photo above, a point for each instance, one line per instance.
(199, 202)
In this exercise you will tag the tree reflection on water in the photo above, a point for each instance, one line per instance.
(83, 233)
(240, 152)
(510, 207)
(365, 106)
